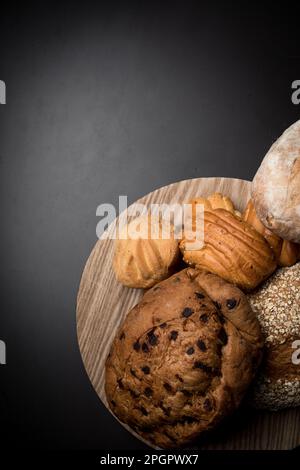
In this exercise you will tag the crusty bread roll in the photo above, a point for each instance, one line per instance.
(277, 305)
(143, 261)
(276, 186)
(232, 249)
(287, 253)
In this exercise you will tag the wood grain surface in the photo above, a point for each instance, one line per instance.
(103, 303)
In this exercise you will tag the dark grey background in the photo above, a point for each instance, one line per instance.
(106, 99)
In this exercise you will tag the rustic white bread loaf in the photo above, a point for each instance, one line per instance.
(276, 186)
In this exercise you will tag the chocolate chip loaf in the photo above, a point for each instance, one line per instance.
(183, 358)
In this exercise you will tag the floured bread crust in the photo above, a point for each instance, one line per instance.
(276, 186)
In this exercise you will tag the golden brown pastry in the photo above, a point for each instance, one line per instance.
(215, 201)
(144, 261)
(183, 358)
(290, 253)
(232, 249)
(286, 252)
(277, 305)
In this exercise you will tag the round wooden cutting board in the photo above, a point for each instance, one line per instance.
(103, 303)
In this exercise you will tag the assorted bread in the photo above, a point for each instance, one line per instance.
(189, 350)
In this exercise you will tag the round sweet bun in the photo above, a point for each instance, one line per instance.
(276, 186)
(277, 305)
(183, 358)
(143, 256)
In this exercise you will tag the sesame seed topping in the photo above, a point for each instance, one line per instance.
(277, 305)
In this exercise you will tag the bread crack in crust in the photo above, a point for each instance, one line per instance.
(183, 358)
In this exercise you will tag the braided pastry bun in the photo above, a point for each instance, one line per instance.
(232, 249)
(143, 261)
(215, 201)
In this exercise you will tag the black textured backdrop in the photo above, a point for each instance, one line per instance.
(106, 99)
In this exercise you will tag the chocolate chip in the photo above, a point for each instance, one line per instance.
(144, 411)
(146, 370)
(200, 295)
(113, 402)
(173, 335)
(132, 371)
(122, 335)
(187, 312)
(179, 378)
(204, 318)
(152, 338)
(223, 336)
(201, 345)
(207, 405)
(202, 366)
(190, 351)
(187, 393)
(168, 387)
(218, 305)
(148, 391)
(230, 303)
(163, 325)
(167, 411)
(145, 347)
(120, 383)
(136, 346)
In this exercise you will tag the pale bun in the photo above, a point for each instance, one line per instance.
(276, 186)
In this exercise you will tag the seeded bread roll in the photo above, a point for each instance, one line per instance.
(277, 305)
(183, 358)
